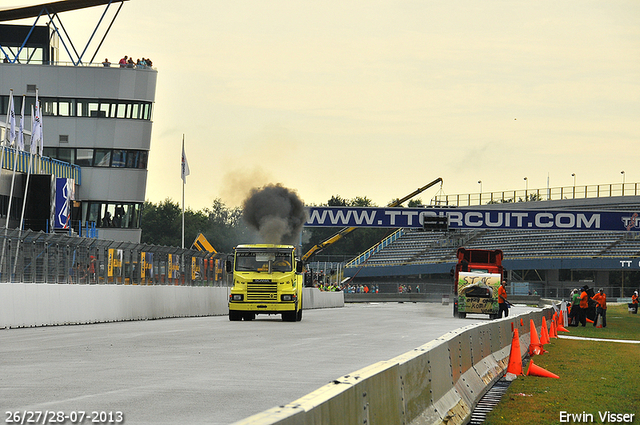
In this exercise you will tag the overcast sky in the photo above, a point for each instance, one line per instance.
(377, 98)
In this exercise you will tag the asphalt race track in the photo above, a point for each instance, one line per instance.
(205, 370)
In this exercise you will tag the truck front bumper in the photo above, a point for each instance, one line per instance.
(267, 308)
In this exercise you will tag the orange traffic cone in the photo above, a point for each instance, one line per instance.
(535, 348)
(589, 320)
(561, 318)
(553, 330)
(544, 334)
(599, 324)
(535, 370)
(562, 328)
(515, 359)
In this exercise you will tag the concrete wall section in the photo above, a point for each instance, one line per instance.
(25, 304)
(437, 383)
(315, 298)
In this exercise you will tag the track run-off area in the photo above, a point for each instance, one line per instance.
(206, 370)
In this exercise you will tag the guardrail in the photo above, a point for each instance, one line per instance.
(532, 195)
(437, 383)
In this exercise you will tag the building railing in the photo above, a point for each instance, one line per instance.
(38, 257)
(80, 64)
(39, 164)
(531, 195)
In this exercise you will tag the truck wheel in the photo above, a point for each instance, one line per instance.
(289, 316)
(299, 316)
(249, 316)
(455, 310)
(235, 316)
(462, 315)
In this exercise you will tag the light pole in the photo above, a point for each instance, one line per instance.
(526, 189)
(574, 184)
(480, 183)
(623, 181)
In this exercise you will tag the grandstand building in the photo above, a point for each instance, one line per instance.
(548, 262)
(95, 117)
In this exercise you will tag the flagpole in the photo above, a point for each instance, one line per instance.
(6, 126)
(183, 183)
(16, 154)
(6, 136)
(36, 134)
(16, 149)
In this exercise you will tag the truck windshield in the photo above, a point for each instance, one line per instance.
(264, 262)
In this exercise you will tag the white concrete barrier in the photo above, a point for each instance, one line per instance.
(315, 298)
(437, 383)
(26, 304)
(31, 304)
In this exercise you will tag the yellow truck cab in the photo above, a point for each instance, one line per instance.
(267, 279)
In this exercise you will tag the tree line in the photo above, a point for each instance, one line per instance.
(224, 228)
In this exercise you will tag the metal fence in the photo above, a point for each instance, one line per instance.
(38, 257)
(532, 195)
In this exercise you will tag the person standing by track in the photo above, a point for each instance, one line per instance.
(601, 309)
(503, 305)
(584, 305)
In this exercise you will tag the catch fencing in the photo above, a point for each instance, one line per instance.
(38, 257)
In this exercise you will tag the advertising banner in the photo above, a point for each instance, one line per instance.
(474, 218)
(64, 196)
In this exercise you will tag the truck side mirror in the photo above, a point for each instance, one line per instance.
(228, 266)
(298, 266)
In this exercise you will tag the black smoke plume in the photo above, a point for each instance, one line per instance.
(277, 213)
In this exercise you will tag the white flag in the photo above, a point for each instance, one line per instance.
(35, 130)
(185, 164)
(21, 127)
(12, 120)
(41, 140)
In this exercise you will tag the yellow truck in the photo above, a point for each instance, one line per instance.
(267, 279)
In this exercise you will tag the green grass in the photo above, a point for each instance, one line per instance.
(594, 376)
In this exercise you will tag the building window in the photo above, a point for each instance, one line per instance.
(94, 111)
(66, 155)
(93, 108)
(116, 158)
(49, 107)
(102, 158)
(84, 157)
(121, 110)
(65, 107)
(119, 158)
(119, 215)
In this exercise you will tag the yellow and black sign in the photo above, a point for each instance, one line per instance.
(202, 244)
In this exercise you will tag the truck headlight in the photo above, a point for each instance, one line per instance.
(288, 297)
(235, 297)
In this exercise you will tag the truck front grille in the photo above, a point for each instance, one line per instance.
(262, 291)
